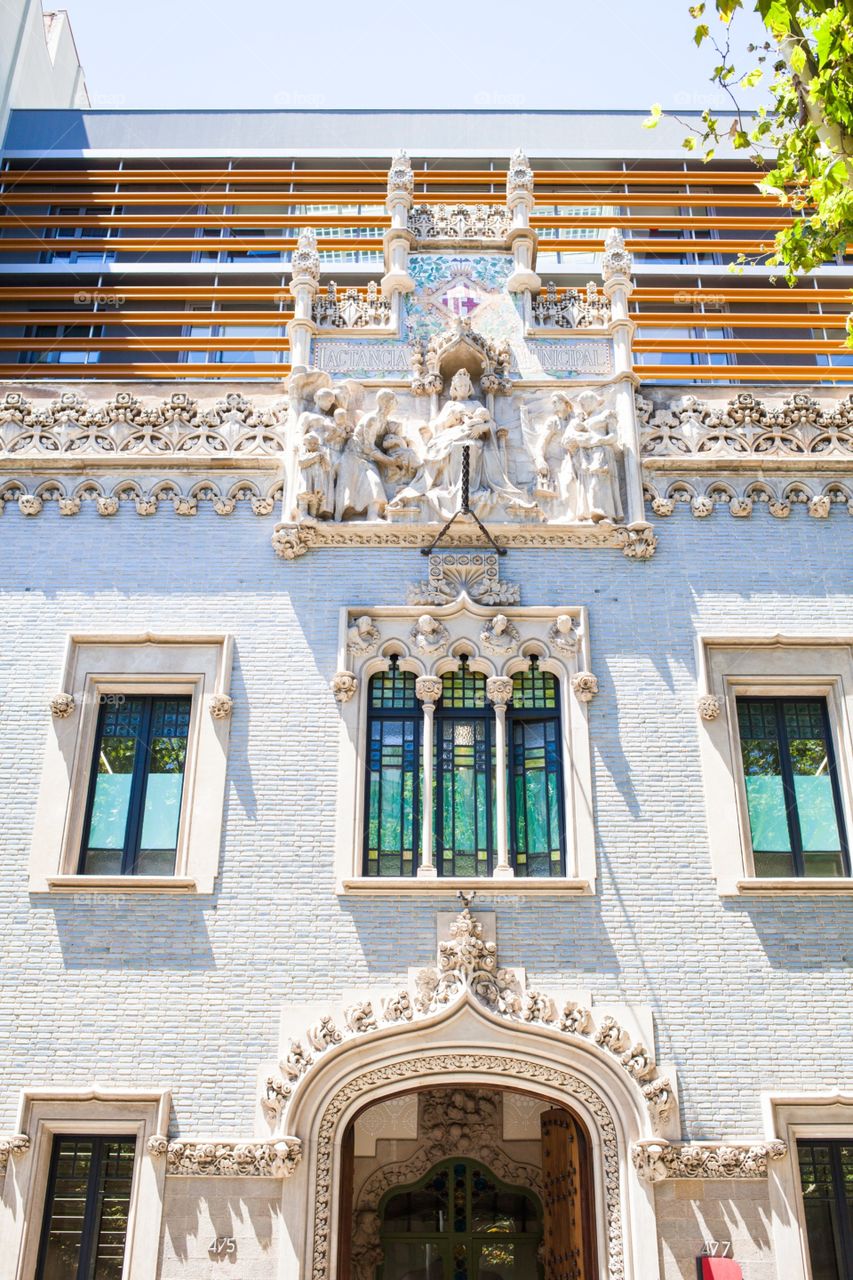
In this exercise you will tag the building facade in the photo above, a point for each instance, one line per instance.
(427, 676)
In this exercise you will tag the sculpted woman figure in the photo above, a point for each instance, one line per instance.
(360, 490)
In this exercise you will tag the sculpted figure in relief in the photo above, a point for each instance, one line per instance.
(436, 489)
(321, 433)
(360, 490)
(556, 483)
(362, 637)
(499, 636)
(429, 637)
(591, 441)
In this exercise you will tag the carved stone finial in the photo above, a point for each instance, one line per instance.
(306, 258)
(519, 176)
(400, 175)
(616, 260)
(62, 705)
(221, 705)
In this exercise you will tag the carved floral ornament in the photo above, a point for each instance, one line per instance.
(467, 968)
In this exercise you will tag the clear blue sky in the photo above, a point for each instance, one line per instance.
(465, 53)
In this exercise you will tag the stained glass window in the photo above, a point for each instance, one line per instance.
(535, 771)
(393, 775)
(464, 776)
(792, 792)
(826, 1176)
(86, 1209)
(136, 788)
(460, 1223)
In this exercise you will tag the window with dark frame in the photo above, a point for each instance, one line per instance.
(136, 786)
(826, 1177)
(84, 1226)
(464, 775)
(793, 797)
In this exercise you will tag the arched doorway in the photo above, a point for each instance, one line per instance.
(460, 1221)
(466, 1183)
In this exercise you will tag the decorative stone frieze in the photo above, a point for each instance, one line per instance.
(800, 428)
(62, 705)
(344, 685)
(585, 686)
(467, 967)
(221, 705)
(13, 1144)
(352, 309)
(570, 309)
(477, 575)
(779, 496)
(291, 541)
(257, 1159)
(459, 222)
(656, 1160)
(163, 491)
(708, 706)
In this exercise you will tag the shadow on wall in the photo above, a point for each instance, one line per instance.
(130, 931)
(689, 1214)
(198, 1212)
(798, 933)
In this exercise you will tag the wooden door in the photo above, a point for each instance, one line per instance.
(565, 1186)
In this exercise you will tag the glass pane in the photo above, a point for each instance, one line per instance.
(170, 720)
(424, 1210)
(393, 690)
(464, 772)
(821, 1210)
(464, 690)
(507, 1260)
(536, 779)
(112, 1209)
(759, 741)
(116, 752)
(65, 1215)
(804, 723)
(414, 1260)
(392, 796)
(534, 690)
(497, 1210)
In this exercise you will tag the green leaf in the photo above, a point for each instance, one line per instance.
(798, 59)
(652, 121)
(689, 144)
(696, 10)
(752, 78)
(700, 33)
(776, 16)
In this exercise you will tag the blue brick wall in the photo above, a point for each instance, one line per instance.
(748, 994)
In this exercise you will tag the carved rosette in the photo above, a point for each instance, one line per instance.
(584, 685)
(519, 178)
(344, 685)
(499, 690)
(428, 688)
(272, 1159)
(657, 1160)
(62, 705)
(221, 705)
(401, 179)
(708, 706)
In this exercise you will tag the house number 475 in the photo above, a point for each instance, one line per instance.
(222, 1247)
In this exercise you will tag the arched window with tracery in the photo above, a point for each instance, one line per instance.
(535, 751)
(392, 829)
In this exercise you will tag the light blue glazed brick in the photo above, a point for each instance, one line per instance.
(748, 995)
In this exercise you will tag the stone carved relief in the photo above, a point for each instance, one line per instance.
(616, 260)
(452, 1122)
(221, 706)
(798, 428)
(275, 1159)
(575, 455)
(818, 498)
(467, 964)
(62, 705)
(362, 637)
(400, 175)
(477, 575)
(459, 222)
(562, 635)
(14, 1144)
(166, 491)
(344, 686)
(492, 359)
(570, 309)
(500, 1067)
(351, 309)
(499, 636)
(657, 1160)
(429, 637)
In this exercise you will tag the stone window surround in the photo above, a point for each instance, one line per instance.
(395, 624)
(141, 664)
(46, 1112)
(789, 1117)
(766, 665)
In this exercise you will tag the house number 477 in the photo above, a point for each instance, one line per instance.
(222, 1247)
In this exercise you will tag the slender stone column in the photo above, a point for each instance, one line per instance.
(499, 693)
(399, 240)
(618, 286)
(304, 284)
(521, 239)
(428, 691)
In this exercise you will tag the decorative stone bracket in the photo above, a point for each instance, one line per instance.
(13, 1144)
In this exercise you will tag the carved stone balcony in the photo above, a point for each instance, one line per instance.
(351, 309)
(459, 222)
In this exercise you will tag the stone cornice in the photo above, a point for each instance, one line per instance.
(656, 1161)
(253, 1159)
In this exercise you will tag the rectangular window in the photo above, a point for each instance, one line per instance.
(136, 787)
(393, 775)
(86, 1209)
(826, 1176)
(792, 791)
